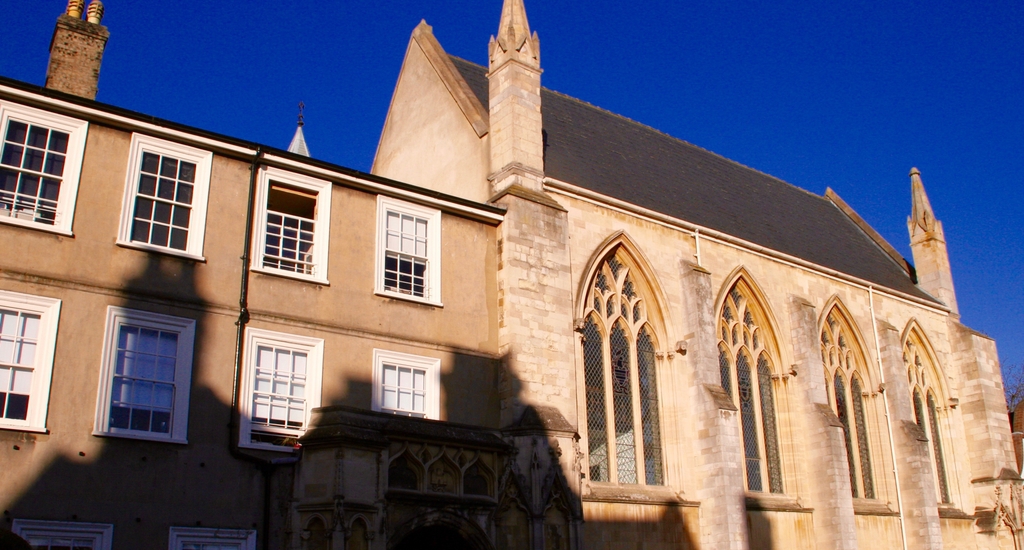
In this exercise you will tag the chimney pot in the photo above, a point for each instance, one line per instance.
(95, 11)
(75, 8)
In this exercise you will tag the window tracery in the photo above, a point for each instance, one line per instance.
(749, 382)
(620, 375)
(843, 362)
(920, 374)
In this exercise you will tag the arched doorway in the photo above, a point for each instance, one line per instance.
(434, 537)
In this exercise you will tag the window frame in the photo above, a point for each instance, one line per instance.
(753, 353)
(314, 349)
(613, 275)
(48, 310)
(179, 536)
(321, 228)
(101, 534)
(77, 131)
(431, 365)
(142, 143)
(387, 204)
(186, 328)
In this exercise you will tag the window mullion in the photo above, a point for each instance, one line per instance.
(609, 406)
(638, 428)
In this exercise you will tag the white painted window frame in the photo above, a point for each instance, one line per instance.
(321, 229)
(48, 310)
(433, 379)
(433, 216)
(186, 329)
(314, 349)
(203, 160)
(180, 536)
(101, 534)
(77, 132)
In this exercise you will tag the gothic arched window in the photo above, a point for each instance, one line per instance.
(842, 362)
(746, 362)
(920, 374)
(623, 425)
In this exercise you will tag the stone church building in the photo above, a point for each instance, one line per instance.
(535, 324)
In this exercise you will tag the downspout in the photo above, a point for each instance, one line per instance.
(888, 419)
(265, 466)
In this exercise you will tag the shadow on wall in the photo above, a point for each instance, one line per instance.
(141, 487)
(538, 503)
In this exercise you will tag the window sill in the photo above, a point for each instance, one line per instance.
(30, 429)
(159, 250)
(140, 436)
(407, 298)
(267, 447)
(635, 494)
(767, 502)
(289, 275)
(37, 226)
(872, 507)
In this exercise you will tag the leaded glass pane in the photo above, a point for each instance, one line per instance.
(862, 439)
(771, 436)
(725, 371)
(918, 409)
(615, 266)
(748, 419)
(649, 408)
(627, 288)
(625, 443)
(597, 430)
(940, 462)
(844, 418)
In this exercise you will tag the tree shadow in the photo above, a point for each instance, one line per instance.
(141, 487)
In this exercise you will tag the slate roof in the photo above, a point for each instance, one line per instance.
(612, 155)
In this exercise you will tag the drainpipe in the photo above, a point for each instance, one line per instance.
(888, 420)
(265, 466)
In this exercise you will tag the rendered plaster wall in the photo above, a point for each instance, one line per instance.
(467, 320)
(614, 526)
(68, 474)
(427, 140)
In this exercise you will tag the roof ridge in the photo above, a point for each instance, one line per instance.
(664, 134)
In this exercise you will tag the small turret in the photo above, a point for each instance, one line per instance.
(928, 244)
(516, 132)
(298, 144)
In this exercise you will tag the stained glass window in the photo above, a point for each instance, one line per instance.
(842, 362)
(921, 372)
(620, 373)
(751, 387)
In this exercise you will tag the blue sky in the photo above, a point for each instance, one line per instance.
(820, 94)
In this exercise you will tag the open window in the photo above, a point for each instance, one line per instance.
(293, 225)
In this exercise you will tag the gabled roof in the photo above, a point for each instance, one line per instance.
(612, 155)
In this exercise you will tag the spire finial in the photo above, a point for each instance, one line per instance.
(514, 40)
(75, 8)
(921, 213)
(95, 14)
(298, 144)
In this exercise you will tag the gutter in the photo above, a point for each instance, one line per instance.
(265, 466)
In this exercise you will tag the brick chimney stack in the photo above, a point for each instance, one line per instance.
(76, 50)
